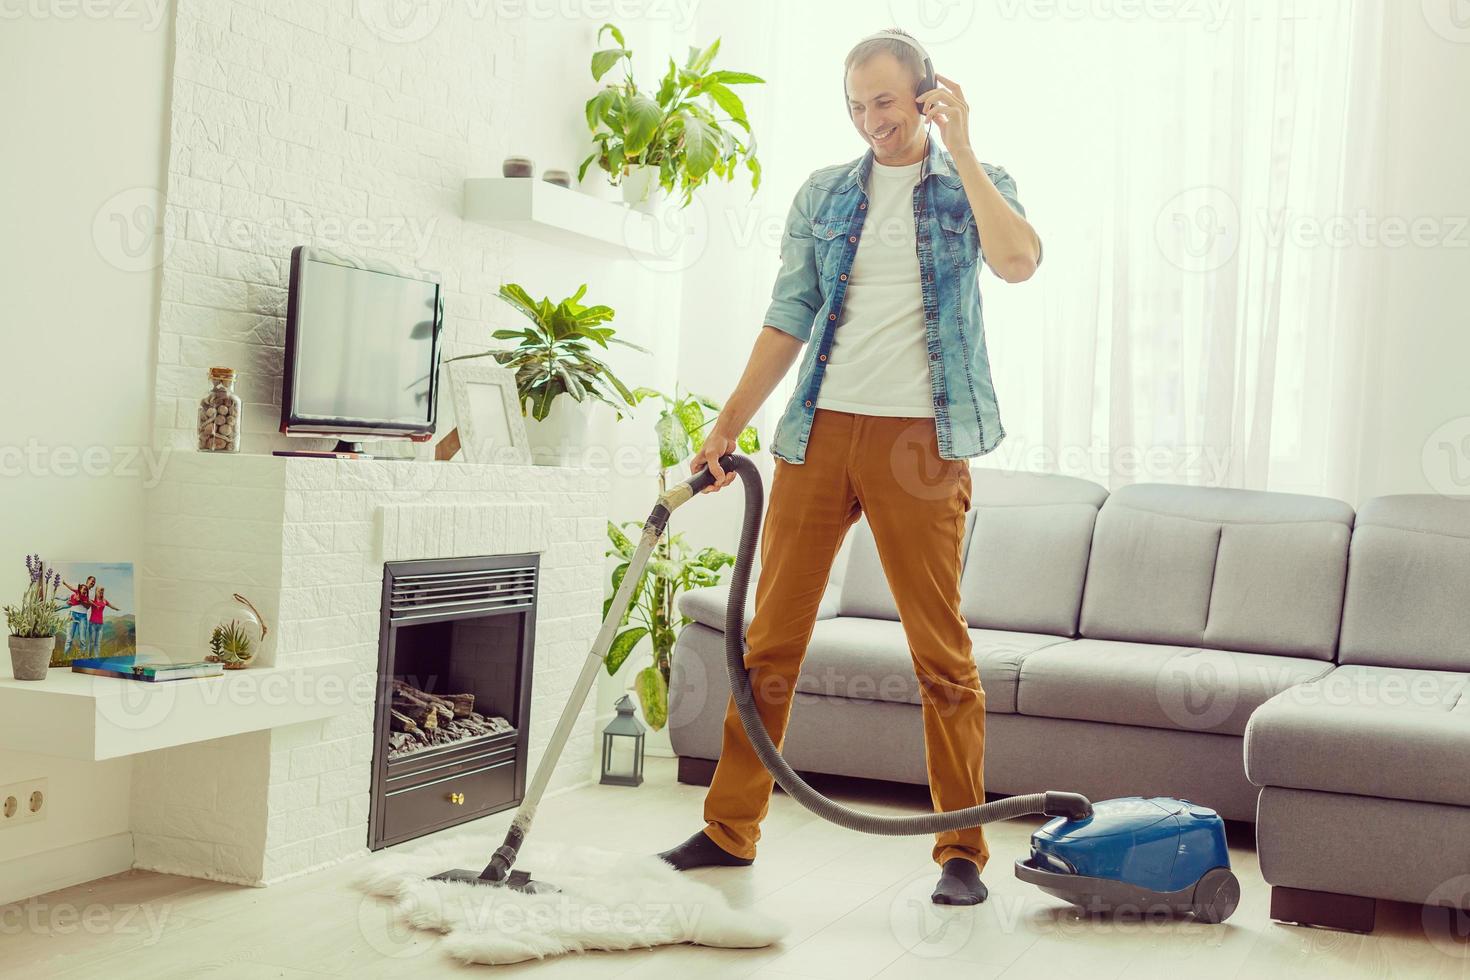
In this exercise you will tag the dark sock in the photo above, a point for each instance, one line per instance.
(960, 884)
(701, 852)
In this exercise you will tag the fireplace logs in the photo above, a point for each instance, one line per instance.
(422, 720)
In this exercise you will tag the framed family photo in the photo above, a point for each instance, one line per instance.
(98, 601)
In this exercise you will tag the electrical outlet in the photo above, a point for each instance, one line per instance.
(24, 802)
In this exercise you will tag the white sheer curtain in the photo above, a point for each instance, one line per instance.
(1201, 186)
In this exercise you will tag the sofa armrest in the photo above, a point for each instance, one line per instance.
(707, 605)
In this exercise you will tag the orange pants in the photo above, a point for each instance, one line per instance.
(916, 502)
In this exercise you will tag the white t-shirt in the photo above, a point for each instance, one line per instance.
(879, 361)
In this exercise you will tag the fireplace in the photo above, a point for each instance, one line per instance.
(451, 726)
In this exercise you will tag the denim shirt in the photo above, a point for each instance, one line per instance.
(817, 250)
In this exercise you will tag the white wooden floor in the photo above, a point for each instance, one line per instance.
(858, 907)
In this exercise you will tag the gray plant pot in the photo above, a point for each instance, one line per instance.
(30, 656)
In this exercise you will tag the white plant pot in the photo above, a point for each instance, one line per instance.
(562, 436)
(641, 190)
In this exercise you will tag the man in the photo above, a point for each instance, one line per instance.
(879, 284)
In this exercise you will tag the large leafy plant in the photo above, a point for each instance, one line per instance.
(673, 566)
(556, 354)
(679, 128)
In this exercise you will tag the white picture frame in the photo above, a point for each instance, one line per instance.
(487, 412)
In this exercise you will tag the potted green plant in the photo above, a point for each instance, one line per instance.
(554, 356)
(35, 623)
(673, 567)
(675, 137)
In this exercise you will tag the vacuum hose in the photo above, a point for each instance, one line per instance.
(1050, 803)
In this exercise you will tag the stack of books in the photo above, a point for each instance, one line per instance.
(146, 667)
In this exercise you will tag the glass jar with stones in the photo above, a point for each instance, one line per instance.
(219, 414)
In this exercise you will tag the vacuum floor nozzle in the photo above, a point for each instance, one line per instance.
(520, 881)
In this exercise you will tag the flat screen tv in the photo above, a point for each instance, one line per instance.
(362, 350)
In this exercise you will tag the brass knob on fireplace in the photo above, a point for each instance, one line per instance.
(457, 799)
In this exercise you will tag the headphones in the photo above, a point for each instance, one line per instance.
(926, 83)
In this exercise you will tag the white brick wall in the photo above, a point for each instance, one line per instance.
(313, 535)
(297, 122)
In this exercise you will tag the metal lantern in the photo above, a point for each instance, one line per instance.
(624, 734)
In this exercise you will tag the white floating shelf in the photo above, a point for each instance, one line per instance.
(88, 717)
(559, 215)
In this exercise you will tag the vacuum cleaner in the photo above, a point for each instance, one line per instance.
(1142, 855)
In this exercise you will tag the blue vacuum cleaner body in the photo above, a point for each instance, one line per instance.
(1136, 854)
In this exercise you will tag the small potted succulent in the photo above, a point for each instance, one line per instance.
(231, 645)
(35, 623)
(237, 635)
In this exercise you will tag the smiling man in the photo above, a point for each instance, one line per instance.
(879, 287)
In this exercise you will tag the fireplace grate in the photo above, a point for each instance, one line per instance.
(467, 593)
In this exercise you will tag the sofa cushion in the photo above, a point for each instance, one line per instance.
(1390, 732)
(864, 590)
(1148, 577)
(869, 659)
(1240, 570)
(1157, 686)
(1025, 567)
(707, 605)
(1408, 583)
(1036, 529)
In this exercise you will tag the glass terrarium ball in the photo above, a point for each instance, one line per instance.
(231, 632)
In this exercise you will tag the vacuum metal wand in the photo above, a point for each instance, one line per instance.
(498, 871)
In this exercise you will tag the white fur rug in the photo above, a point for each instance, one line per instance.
(607, 901)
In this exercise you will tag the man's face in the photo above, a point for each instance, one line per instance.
(880, 100)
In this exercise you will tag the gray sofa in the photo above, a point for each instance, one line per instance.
(1176, 641)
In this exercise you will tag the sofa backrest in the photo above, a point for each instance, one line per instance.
(1218, 567)
(1025, 555)
(1408, 588)
(865, 590)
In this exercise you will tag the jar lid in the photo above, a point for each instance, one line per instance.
(221, 374)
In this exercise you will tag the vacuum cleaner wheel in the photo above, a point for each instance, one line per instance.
(1216, 895)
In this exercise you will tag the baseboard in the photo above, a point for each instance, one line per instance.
(61, 867)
